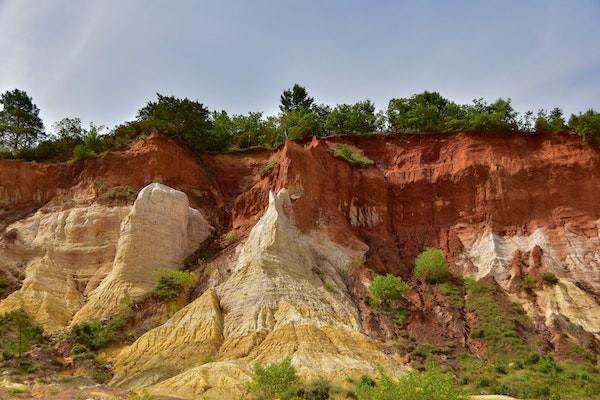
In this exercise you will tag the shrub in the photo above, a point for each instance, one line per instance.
(18, 333)
(268, 167)
(426, 385)
(317, 390)
(586, 125)
(230, 237)
(330, 286)
(388, 287)
(273, 381)
(352, 155)
(550, 278)
(90, 335)
(528, 283)
(170, 282)
(431, 266)
(4, 285)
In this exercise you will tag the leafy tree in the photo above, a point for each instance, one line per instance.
(586, 125)
(20, 124)
(18, 333)
(295, 99)
(424, 112)
(359, 117)
(498, 116)
(92, 143)
(222, 129)
(299, 124)
(526, 122)
(253, 130)
(388, 287)
(69, 128)
(321, 112)
(431, 266)
(550, 122)
(273, 381)
(185, 119)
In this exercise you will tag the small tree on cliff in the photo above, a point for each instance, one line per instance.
(295, 99)
(20, 124)
(431, 266)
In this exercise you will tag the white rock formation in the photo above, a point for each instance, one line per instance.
(159, 232)
(274, 305)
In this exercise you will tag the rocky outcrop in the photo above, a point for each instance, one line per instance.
(286, 297)
(158, 233)
(82, 262)
(64, 255)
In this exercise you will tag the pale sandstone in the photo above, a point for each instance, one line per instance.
(159, 232)
(65, 255)
(274, 305)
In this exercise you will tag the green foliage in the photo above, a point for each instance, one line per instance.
(274, 381)
(388, 287)
(497, 116)
(230, 237)
(359, 117)
(18, 333)
(295, 99)
(141, 395)
(528, 283)
(352, 155)
(454, 293)
(91, 335)
(586, 125)
(185, 119)
(20, 124)
(428, 385)
(298, 124)
(425, 112)
(550, 278)
(431, 266)
(497, 326)
(550, 122)
(170, 282)
(268, 168)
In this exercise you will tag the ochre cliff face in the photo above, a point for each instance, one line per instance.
(499, 206)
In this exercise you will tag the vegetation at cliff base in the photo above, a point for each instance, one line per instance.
(23, 135)
(18, 333)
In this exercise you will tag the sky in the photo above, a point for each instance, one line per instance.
(103, 60)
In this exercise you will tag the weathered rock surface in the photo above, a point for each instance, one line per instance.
(82, 262)
(65, 255)
(159, 232)
(285, 298)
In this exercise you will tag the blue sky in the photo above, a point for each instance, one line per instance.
(102, 60)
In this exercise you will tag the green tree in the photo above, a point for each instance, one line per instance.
(557, 120)
(20, 124)
(295, 99)
(299, 124)
(586, 125)
(388, 287)
(424, 112)
(273, 381)
(69, 128)
(359, 117)
(185, 119)
(431, 266)
(497, 116)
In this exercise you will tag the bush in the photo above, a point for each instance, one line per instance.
(586, 125)
(170, 282)
(428, 385)
(550, 278)
(273, 381)
(528, 283)
(431, 266)
(352, 155)
(90, 335)
(388, 287)
(18, 333)
(230, 237)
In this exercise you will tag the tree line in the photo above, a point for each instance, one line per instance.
(23, 135)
